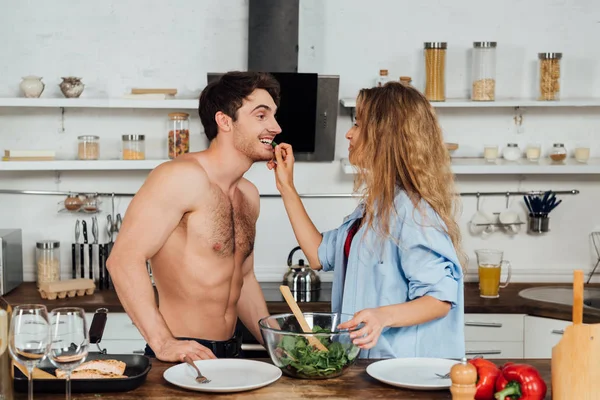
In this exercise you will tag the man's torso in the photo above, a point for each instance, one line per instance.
(198, 272)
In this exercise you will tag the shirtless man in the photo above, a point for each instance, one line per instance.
(195, 219)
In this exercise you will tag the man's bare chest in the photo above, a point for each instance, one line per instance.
(226, 227)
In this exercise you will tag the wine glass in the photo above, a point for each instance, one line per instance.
(70, 341)
(29, 337)
(3, 331)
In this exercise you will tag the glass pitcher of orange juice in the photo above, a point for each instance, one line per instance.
(490, 266)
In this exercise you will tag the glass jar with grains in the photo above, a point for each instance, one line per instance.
(179, 134)
(549, 76)
(133, 147)
(89, 147)
(435, 70)
(484, 71)
(47, 258)
(558, 154)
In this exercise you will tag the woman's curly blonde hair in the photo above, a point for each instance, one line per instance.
(401, 146)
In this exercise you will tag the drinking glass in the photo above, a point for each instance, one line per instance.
(29, 337)
(70, 341)
(490, 264)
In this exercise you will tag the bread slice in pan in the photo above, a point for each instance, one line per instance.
(96, 369)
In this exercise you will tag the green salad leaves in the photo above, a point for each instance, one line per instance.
(306, 361)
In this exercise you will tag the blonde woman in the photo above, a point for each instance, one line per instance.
(397, 258)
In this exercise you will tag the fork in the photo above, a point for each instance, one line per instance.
(200, 378)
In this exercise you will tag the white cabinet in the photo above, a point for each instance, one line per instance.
(120, 336)
(494, 335)
(541, 335)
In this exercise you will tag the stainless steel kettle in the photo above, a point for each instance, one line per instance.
(303, 282)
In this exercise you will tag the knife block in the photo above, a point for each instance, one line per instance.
(96, 254)
(576, 358)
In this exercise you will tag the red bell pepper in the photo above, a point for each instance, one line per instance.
(487, 374)
(520, 382)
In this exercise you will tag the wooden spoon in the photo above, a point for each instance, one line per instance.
(287, 295)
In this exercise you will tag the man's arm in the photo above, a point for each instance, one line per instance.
(152, 215)
(251, 306)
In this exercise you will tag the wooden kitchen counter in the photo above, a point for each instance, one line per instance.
(355, 384)
(509, 302)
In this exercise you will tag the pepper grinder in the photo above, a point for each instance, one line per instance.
(464, 379)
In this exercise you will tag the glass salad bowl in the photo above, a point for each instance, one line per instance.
(296, 353)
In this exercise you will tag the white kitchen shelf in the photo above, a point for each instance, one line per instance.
(466, 103)
(80, 165)
(478, 166)
(180, 104)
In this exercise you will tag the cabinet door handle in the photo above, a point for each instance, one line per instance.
(475, 352)
(558, 331)
(252, 347)
(485, 324)
(139, 352)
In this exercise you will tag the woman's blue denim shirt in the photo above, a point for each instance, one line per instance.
(417, 259)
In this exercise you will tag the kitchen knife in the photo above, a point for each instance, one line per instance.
(74, 247)
(95, 235)
(73, 256)
(106, 277)
(100, 266)
(85, 240)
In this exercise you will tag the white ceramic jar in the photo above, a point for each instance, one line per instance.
(511, 152)
(32, 86)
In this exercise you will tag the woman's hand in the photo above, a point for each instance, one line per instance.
(374, 322)
(283, 166)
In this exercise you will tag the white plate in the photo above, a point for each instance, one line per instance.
(225, 374)
(413, 373)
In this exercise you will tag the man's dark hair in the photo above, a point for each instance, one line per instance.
(228, 93)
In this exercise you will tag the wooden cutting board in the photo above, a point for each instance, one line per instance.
(576, 358)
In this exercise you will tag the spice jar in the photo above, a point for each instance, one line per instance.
(511, 152)
(89, 147)
(549, 76)
(533, 152)
(406, 80)
(90, 204)
(47, 258)
(133, 147)
(383, 78)
(435, 69)
(484, 71)
(179, 134)
(490, 152)
(73, 202)
(582, 153)
(558, 154)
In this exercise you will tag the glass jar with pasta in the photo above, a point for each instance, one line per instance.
(179, 134)
(483, 69)
(435, 70)
(549, 76)
(133, 147)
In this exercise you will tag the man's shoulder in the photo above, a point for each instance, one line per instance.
(182, 169)
(250, 192)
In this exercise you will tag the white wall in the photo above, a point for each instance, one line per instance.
(116, 45)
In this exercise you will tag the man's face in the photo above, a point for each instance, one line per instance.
(256, 126)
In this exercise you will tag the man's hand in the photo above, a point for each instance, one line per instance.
(174, 350)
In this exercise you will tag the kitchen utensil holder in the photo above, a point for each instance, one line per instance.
(81, 263)
(538, 224)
